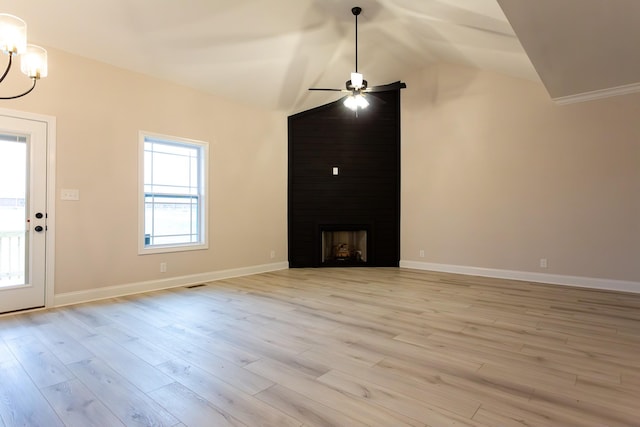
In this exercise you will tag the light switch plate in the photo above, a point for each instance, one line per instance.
(69, 194)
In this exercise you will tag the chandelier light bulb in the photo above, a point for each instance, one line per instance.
(13, 42)
(33, 62)
(13, 34)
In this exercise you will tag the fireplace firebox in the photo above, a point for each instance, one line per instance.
(343, 246)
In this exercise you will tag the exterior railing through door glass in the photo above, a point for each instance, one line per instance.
(12, 258)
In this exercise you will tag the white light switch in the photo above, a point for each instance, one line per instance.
(69, 194)
(335, 170)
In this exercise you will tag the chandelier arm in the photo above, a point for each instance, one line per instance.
(8, 67)
(22, 94)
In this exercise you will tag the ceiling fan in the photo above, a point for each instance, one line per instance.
(357, 86)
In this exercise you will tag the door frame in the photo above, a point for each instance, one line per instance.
(50, 121)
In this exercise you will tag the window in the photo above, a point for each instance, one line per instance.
(173, 194)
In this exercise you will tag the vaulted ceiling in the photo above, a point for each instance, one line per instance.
(581, 49)
(268, 53)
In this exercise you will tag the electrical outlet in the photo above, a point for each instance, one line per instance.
(421, 253)
(543, 263)
(163, 267)
(273, 254)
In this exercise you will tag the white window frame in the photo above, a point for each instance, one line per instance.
(203, 187)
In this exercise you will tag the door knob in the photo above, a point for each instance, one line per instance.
(39, 215)
(38, 228)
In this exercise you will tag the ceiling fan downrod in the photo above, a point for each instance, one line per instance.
(356, 11)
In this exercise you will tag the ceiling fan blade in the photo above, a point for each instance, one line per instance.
(384, 88)
(325, 89)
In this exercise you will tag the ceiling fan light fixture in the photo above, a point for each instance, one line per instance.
(353, 102)
(357, 80)
(350, 103)
(361, 101)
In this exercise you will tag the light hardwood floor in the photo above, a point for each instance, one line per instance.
(329, 347)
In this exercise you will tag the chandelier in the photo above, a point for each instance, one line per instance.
(13, 42)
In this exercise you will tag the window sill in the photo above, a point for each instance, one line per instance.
(149, 250)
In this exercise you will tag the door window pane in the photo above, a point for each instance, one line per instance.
(13, 209)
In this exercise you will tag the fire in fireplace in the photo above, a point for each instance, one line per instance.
(344, 247)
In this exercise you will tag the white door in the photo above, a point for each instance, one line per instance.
(23, 213)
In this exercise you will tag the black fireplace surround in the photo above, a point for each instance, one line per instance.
(344, 175)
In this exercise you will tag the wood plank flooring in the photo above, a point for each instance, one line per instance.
(329, 347)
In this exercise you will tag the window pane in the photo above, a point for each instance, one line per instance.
(171, 171)
(171, 219)
(172, 193)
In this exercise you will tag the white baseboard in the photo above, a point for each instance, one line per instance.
(77, 297)
(527, 276)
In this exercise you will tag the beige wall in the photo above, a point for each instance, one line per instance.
(495, 175)
(99, 110)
